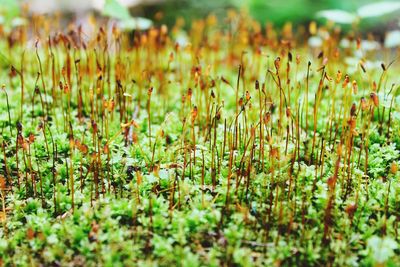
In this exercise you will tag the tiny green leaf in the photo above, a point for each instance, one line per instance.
(136, 23)
(338, 16)
(392, 39)
(114, 9)
(378, 9)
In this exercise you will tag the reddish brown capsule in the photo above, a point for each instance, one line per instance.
(66, 88)
(364, 104)
(106, 149)
(94, 126)
(218, 115)
(277, 63)
(84, 149)
(241, 102)
(298, 59)
(253, 131)
(135, 138)
(331, 182)
(352, 124)
(267, 117)
(2, 182)
(150, 91)
(212, 84)
(194, 113)
(358, 43)
(225, 80)
(13, 72)
(288, 112)
(363, 67)
(274, 153)
(351, 209)
(374, 99)
(353, 109)
(31, 138)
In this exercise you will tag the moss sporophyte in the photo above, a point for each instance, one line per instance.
(235, 145)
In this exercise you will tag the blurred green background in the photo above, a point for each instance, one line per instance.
(167, 11)
(275, 11)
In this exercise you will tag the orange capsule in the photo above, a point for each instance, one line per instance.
(352, 124)
(84, 149)
(374, 99)
(346, 81)
(340, 149)
(355, 87)
(135, 138)
(338, 76)
(358, 43)
(71, 143)
(288, 112)
(106, 149)
(241, 102)
(336, 53)
(248, 96)
(298, 59)
(364, 104)
(139, 177)
(134, 124)
(2, 182)
(66, 88)
(393, 167)
(253, 131)
(274, 153)
(31, 138)
(277, 63)
(194, 113)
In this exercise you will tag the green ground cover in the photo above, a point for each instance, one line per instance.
(233, 146)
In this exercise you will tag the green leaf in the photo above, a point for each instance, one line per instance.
(338, 16)
(381, 248)
(378, 9)
(9, 8)
(392, 39)
(114, 9)
(136, 23)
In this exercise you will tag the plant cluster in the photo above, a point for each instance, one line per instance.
(232, 146)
